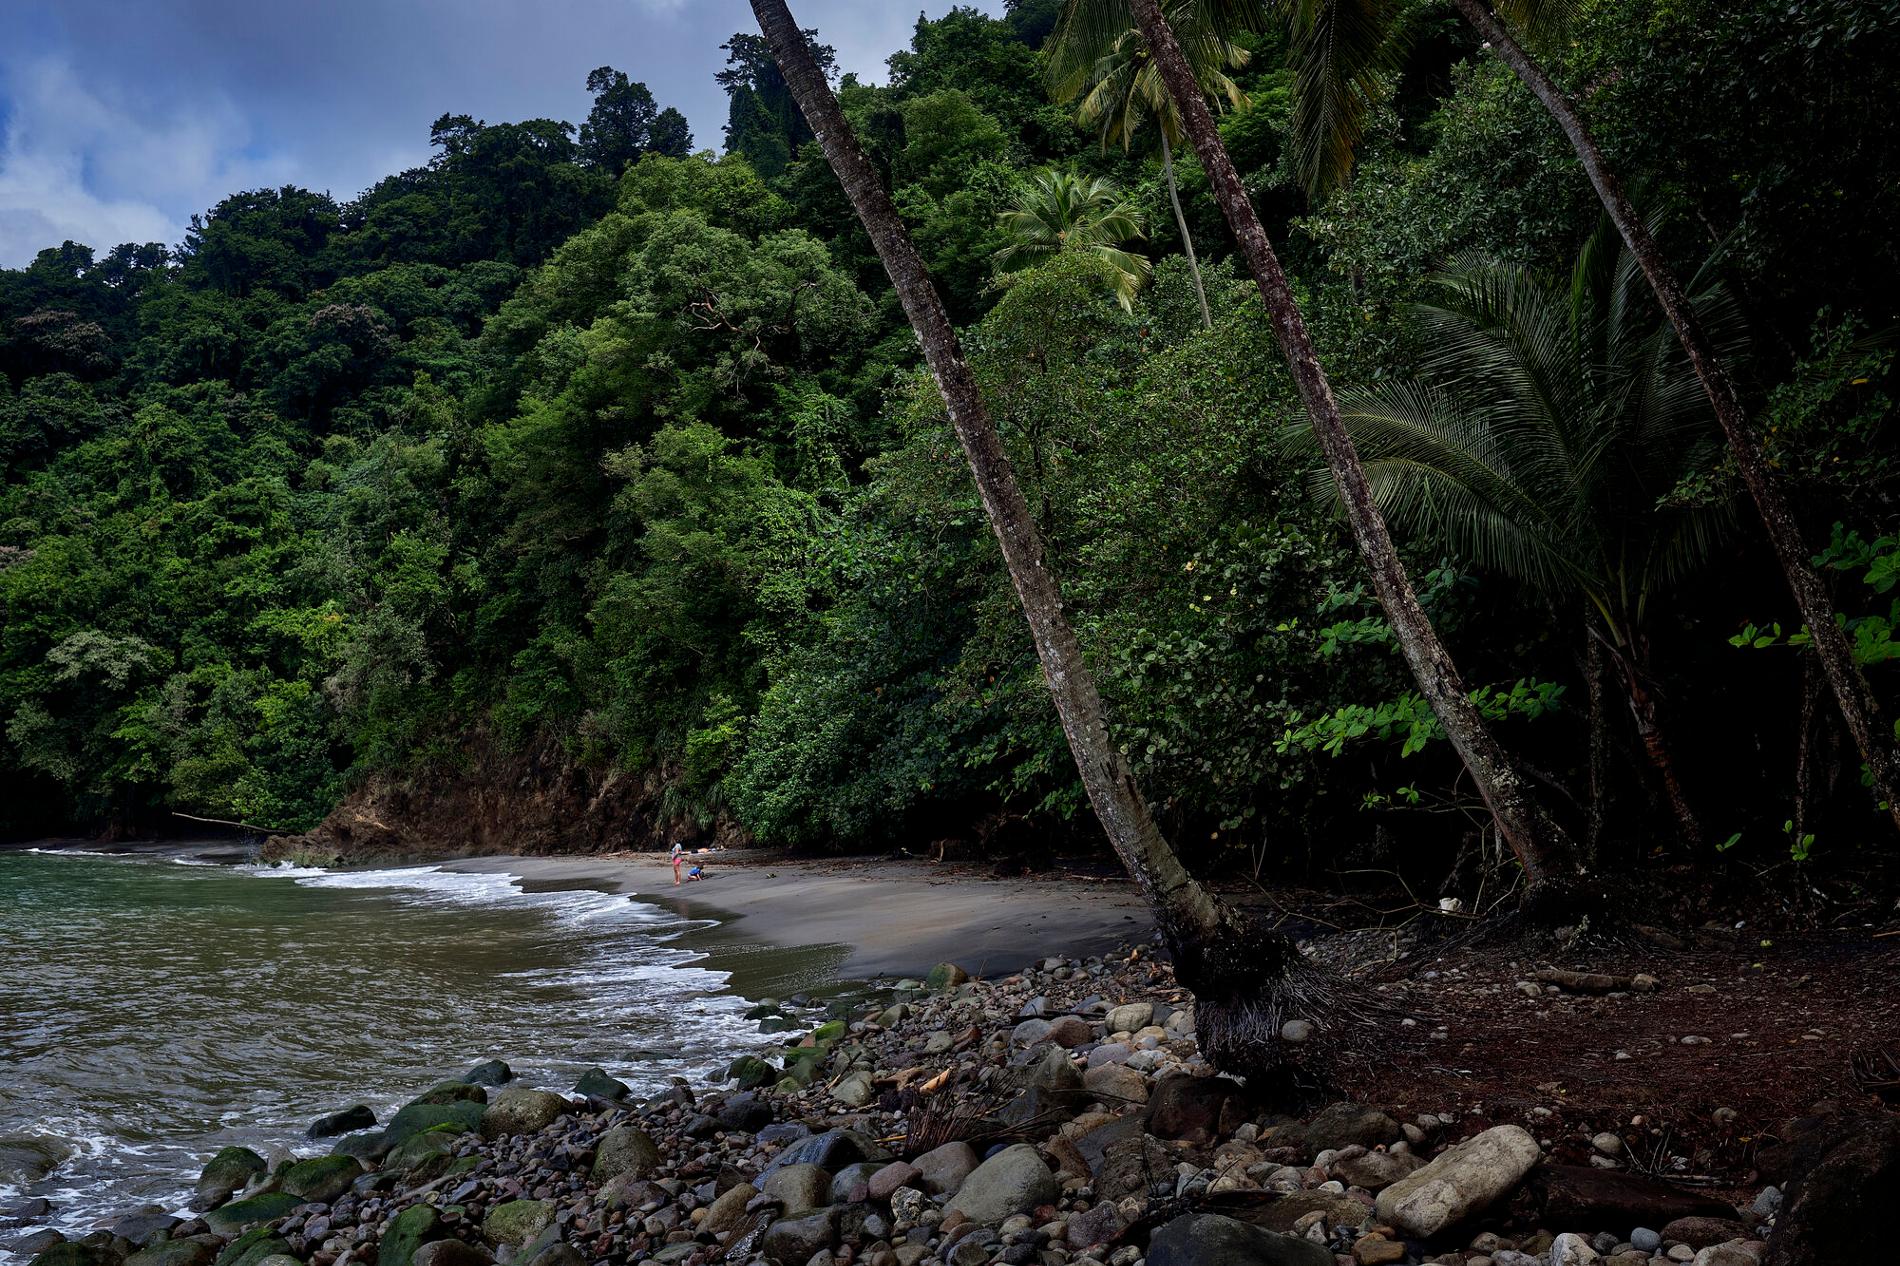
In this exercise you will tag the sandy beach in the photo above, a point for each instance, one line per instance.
(887, 918)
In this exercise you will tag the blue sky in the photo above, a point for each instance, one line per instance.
(120, 118)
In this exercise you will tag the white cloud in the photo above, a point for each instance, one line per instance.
(76, 164)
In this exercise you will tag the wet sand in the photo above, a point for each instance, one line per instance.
(877, 918)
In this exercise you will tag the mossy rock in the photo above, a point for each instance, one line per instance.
(194, 1250)
(625, 1149)
(370, 1147)
(425, 1155)
(452, 1092)
(749, 1071)
(522, 1111)
(226, 1174)
(253, 1247)
(777, 1024)
(944, 977)
(464, 1115)
(323, 1179)
(412, 1228)
(516, 1223)
(829, 1031)
(73, 1253)
(239, 1214)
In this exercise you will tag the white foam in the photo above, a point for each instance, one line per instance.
(71, 852)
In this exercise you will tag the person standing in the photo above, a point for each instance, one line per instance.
(678, 859)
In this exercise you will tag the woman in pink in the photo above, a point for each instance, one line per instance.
(679, 859)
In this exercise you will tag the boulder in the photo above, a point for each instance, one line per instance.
(1015, 1180)
(1132, 1165)
(854, 1090)
(1030, 1032)
(625, 1149)
(252, 1248)
(1341, 1125)
(226, 1174)
(1824, 1214)
(33, 1243)
(1208, 1239)
(1196, 1109)
(425, 1155)
(598, 1083)
(192, 1250)
(1280, 1212)
(520, 1110)
(144, 1225)
(942, 979)
(852, 1184)
(892, 1176)
(1116, 1083)
(490, 1073)
(452, 1092)
(1460, 1181)
(833, 1149)
(1375, 1171)
(728, 1211)
(322, 1179)
(464, 1116)
(72, 1253)
(744, 1112)
(408, 1231)
(228, 1220)
(1130, 1017)
(941, 1170)
(1702, 1232)
(1071, 1031)
(516, 1223)
(798, 1188)
(370, 1147)
(346, 1121)
(795, 1241)
(27, 1159)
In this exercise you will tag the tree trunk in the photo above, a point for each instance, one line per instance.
(1859, 709)
(1187, 238)
(1233, 963)
(1598, 813)
(1656, 746)
(1546, 853)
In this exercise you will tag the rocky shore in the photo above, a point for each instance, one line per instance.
(1060, 1116)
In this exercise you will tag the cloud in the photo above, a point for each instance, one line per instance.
(76, 164)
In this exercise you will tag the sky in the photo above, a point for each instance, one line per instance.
(121, 118)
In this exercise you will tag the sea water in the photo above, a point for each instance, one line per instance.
(155, 1008)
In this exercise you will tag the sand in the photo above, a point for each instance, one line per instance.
(884, 918)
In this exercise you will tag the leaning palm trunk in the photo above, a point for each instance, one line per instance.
(1187, 239)
(1546, 853)
(1261, 968)
(1631, 666)
(1859, 708)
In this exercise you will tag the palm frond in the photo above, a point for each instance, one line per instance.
(1343, 52)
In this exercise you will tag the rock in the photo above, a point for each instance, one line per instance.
(33, 1243)
(1459, 1182)
(1376, 1250)
(728, 1211)
(597, 1083)
(1342, 1125)
(321, 1180)
(942, 979)
(1130, 1017)
(749, 1071)
(1572, 1250)
(370, 1147)
(942, 1169)
(1702, 1232)
(1208, 1239)
(1030, 1032)
(1296, 1031)
(793, 1241)
(1015, 1180)
(854, 1090)
(852, 1184)
(228, 1220)
(1730, 1253)
(251, 1248)
(408, 1231)
(347, 1121)
(1376, 1170)
(425, 1155)
(451, 1253)
(1101, 1224)
(1644, 1240)
(452, 1092)
(744, 1112)
(69, 1253)
(464, 1116)
(192, 1250)
(1279, 1214)
(490, 1073)
(1767, 1202)
(1116, 1083)
(833, 1149)
(27, 1159)
(144, 1225)
(1574, 1195)
(1824, 1215)
(516, 1222)
(625, 1149)
(1196, 1109)
(226, 1174)
(1071, 1031)
(522, 1111)
(892, 1176)
(798, 1188)
(1110, 1053)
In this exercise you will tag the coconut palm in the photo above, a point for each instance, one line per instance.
(1059, 211)
(1551, 865)
(1121, 93)
(1236, 964)
(1543, 440)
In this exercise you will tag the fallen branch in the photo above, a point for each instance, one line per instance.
(247, 826)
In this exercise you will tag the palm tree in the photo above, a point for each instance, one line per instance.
(1060, 211)
(1228, 959)
(1543, 440)
(1121, 91)
(1546, 853)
